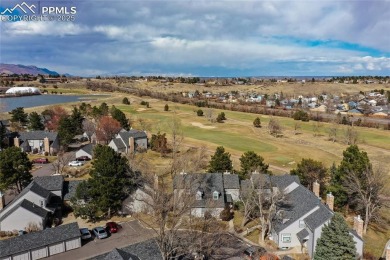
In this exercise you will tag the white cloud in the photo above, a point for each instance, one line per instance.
(43, 28)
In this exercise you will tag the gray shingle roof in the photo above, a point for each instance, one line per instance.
(298, 203)
(136, 134)
(70, 189)
(319, 217)
(38, 239)
(118, 254)
(88, 149)
(303, 234)
(33, 208)
(38, 135)
(261, 179)
(231, 181)
(50, 183)
(144, 250)
(206, 183)
(283, 181)
(119, 143)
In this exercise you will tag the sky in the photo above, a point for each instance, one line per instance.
(208, 38)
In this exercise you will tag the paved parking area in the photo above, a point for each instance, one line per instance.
(130, 233)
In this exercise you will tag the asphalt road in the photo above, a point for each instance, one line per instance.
(130, 233)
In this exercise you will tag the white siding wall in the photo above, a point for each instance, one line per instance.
(113, 146)
(198, 212)
(310, 243)
(39, 253)
(23, 256)
(83, 153)
(358, 245)
(6, 258)
(19, 219)
(293, 229)
(57, 248)
(30, 196)
(234, 192)
(317, 235)
(139, 203)
(57, 192)
(73, 244)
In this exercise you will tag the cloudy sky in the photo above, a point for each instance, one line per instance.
(207, 38)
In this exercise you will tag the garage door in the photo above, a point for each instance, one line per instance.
(56, 249)
(38, 253)
(24, 256)
(72, 244)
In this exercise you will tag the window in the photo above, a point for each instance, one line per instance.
(215, 195)
(286, 238)
(301, 224)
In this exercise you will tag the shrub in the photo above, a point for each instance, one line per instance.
(166, 107)
(199, 112)
(226, 214)
(301, 115)
(125, 101)
(257, 122)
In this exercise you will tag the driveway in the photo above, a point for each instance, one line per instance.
(130, 233)
(44, 170)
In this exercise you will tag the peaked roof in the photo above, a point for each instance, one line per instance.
(136, 134)
(35, 209)
(144, 250)
(38, 239)
(231, 181)
(298, 203)
(119, 143)
(354, 233)
(88, 149)
(302, 235)
(319, 217)
(118, 254)
(283, 181)
(50, 183)
(37, 135)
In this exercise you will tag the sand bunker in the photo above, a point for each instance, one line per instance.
(141, 109)
(202, 125)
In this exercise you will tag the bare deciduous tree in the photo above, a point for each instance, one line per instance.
(62, 161)
(89, 127)
(333, 129)
(351, 135)
(274, 127)
(368, 191)
(210, 114)
(297, 127)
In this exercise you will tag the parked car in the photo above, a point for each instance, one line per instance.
(40, 160)
(85, 233)
(112, 227)
(83, 158)
(75, 163)
(100, 232)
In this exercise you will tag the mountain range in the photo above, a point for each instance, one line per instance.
(23, 69)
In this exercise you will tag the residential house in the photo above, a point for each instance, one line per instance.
(38, 203)
(209, 191)
(86, 150)
(38, 141)
(300, 219)
(41, 244)
(129, 141)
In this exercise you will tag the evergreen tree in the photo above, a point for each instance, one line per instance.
(18, 115)
(35, 122)
(119, 116)
(355, 161)
(220, 161)
(111, 180)
(199, 112)
(103, 109)
(125, 101)
(14, 169)
(335, 242)
(77, 119)
(250, 161)
(309, 171)
(257, 122)
(2, 135)
(66, 131)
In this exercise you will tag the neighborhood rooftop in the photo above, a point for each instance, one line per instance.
(39, 239)
(50, 182)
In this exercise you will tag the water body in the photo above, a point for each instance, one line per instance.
(11, 103)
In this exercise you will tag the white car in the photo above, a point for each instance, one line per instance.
(75, 163)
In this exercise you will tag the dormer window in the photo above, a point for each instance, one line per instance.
(198, 195)
(215, 195)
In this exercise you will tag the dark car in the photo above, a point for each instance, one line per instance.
(83, 158)
(40, 160)
(112, 227)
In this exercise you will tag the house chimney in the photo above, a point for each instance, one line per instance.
(46, 145)
(330, 200)
(16, 142)
(131, 145)
(2, 200)
(226, 172)
(316, 189)
(358, 225)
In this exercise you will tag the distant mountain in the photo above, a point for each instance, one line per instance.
(22, 69)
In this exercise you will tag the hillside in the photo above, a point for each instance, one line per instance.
(22, 69)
